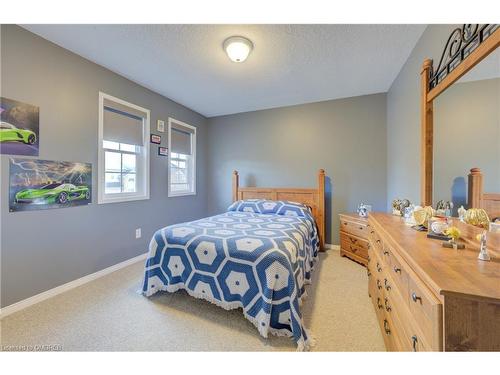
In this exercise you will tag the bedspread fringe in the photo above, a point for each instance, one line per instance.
(302, 345)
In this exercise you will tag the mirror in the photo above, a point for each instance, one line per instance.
(467, 133)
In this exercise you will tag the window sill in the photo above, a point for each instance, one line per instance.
(180, 194)
(120, 199)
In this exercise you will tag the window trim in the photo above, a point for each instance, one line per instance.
(193, 156)
(103, 198)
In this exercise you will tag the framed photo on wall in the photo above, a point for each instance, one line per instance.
(19, 128)
(156, 139)
(163, 151)
(41, 184)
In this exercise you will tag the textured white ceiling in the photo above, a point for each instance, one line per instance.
(290, 64)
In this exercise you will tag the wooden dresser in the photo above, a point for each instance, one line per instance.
(354, 237)
(430, 298)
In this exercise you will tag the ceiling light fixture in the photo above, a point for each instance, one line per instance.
(237, 48)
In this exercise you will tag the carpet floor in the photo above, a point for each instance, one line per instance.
(109, 314)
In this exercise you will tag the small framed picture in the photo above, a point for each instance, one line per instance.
(163, 151)
(160, 126)
(155, 139)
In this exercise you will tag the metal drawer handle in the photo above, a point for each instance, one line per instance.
(360, 228)
(378, 241)
(379, 305)
(386, 252)
(379, 286)
(368, 273)
(415, 298)
(386, 327)
(414, 342)
(387, 286)
(369, 246)
(353, 240)
(379, 269)
(345, 222)
(396, 269)
(352, 249)
(372, 232)
(368, 258)
(386, 303)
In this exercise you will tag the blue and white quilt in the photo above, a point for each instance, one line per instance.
(257, 256)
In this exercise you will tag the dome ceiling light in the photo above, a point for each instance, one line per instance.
(237, 48)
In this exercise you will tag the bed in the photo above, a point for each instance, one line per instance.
(257, 256)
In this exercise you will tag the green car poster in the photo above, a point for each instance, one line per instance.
(19, 128)
(42, 184)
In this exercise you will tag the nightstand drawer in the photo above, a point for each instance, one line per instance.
(349, 239)
(354, 227)
(355, 250)
(354, 245)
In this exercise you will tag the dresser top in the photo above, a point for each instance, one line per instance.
(445, 270)
(353, 215)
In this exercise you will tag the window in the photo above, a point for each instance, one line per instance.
(123, 173)
(181, 158)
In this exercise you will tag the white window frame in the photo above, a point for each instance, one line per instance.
(143, 194)
(193, 156)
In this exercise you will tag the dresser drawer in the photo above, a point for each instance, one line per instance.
(371, 284)
(397, 272)
(388, 333)
(355, 250)
(378, 268)
(385, 254)
(349, 239)
(426, 310)
(397, 331)
(375, 241)
(406, 331)
(383, 320)
(405, 337)
(354, 245)
(353, 227)
(379, 284)
(413, 342)
(378, 301)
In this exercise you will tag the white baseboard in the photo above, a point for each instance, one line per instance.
(329, 246)
(68, 286)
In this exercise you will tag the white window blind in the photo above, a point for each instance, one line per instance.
(122, 124)
(181, 139)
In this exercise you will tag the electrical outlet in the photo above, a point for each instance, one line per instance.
(138, 233)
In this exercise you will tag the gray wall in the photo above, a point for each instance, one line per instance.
(403, 117)
(287, 146)
(44, 249)
(466, 135)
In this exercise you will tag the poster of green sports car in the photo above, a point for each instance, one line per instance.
(42, 184)
(19, 128)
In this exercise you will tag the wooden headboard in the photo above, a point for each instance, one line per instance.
(314, 198)
(490, 202)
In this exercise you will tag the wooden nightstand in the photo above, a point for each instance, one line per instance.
(354, 237)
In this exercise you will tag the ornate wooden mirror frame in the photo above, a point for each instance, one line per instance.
(465, 48)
